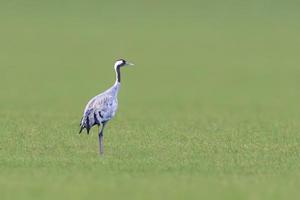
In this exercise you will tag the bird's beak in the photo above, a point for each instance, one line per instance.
(130, 64)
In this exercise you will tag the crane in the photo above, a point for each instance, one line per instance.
(102, 108)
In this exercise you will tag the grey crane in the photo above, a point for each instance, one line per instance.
(102, 108)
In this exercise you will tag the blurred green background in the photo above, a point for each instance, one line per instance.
(210, 109)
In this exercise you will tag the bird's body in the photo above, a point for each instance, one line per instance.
(102, 108)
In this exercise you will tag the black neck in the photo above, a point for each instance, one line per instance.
(118, 74)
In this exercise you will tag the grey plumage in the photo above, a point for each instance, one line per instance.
(102, 108)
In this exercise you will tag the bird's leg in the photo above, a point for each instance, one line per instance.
(101, 146)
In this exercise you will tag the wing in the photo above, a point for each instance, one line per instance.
(94, 111)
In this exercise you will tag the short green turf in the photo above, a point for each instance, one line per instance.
(210, 110)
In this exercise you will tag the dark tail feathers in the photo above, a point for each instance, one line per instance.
(83, 127)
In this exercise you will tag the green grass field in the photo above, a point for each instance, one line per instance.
(210, 110)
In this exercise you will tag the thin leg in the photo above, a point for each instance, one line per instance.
(101, 145)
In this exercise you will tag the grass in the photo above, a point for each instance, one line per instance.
(209, 111)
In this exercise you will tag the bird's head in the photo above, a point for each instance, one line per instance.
(122, 63)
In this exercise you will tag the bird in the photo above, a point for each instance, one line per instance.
(102, 108)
